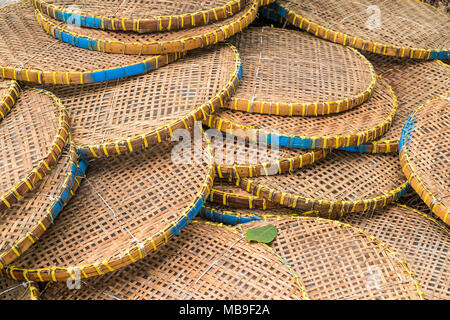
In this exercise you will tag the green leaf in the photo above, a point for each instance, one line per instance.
(264, 234)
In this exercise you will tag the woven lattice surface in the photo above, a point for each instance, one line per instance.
(406, 28)
(188, 268)
(28, 54)
(33, 134)
(235, 157)
(15, 290)
(150, 43)
(287, 72)
(343, 182)
(142, 110)
(336, 261)
(126, 207)
(360, 124)
(425, 154)
(9, 92)
(25, 222)
(140, 16)
(418, 239)
(414, 82)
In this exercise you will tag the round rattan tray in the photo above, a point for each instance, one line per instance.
(292, 73)
(14, 290)
(9, 92)
(424, 154)
(139, 16)
(235, 157)
(342, 183)
(418, 239)
(340, 262)
(414, 82)
(402, 28)
(127, 115)
(129, 43)
(24, 223)
(206, 261)
(359, 125)
(33, 136)
(28, 54)
(127, 207)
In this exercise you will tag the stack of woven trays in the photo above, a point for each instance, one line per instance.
(142, 141)
(300, 92)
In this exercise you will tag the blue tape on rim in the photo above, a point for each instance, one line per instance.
(110, 74)
(62, 16)
(220, 217)
(279, 9)
(135, 69)
(289, 142)
(443, 54)
(114, 74)
(79, 20)
(76, 171)
(92, 22)
(301, 143)
(269, 14)
(407, 130)
(85, 43)
(82, 154)
(240, 69)
(98, 76)
(440, 55)
(357, 148)
(404, 191)
(81, 42)
(192, 213)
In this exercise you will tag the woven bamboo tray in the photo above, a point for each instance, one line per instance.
(341, 262)
(241, 158)
(424, 154)
(33, 136)
(24, 223)
(28, 54)
(414, 82)
(418, 239)
(159, 43)
(354, 127)
(292, 73)
(206, 261)
(14, 290)
(228, 194)
(342, 183)
(139, 16)
(128, 115)
(9, 93)
(127, 207)
(401, 28)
